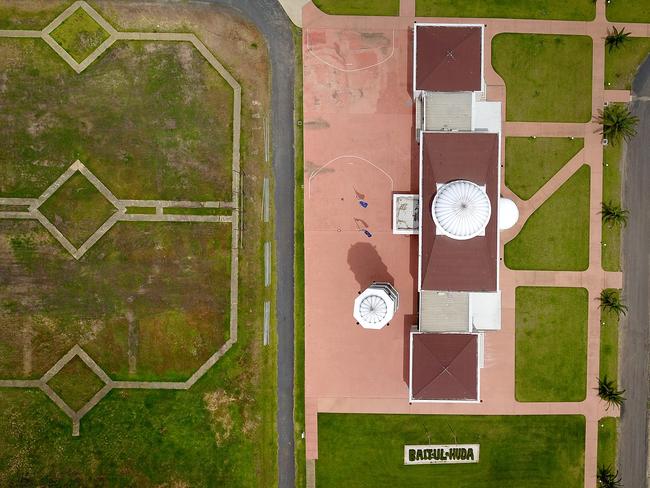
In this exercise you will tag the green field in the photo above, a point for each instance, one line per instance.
(621, 64)
(628, 11)
(556, 235)
(550, 344)
(358, 7)
(511, 9)
(150, 300)
(607, 441)
(612, 189)
(531, 162)
(609, 323)
(367, 451)
(547, 77)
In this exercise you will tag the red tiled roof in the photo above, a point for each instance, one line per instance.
(458, 265)
(448, 58)
(444, 367)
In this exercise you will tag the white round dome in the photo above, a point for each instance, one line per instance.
(508, 213)
(461, 209)
(373, 309)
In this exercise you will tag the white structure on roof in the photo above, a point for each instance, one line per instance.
(508, 213)
(375, 307)
(406, 213)
(461, 210)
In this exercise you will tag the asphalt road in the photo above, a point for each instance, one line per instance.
(273, 22)
(633, 441)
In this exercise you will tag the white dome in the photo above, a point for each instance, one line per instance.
(508, 213)
(376, 305)
(461, 209)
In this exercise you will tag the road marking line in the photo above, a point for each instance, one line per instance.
(267, 264)
(266, 200)
(267, 321)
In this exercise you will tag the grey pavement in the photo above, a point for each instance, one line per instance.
(633, 440)
(273, 22)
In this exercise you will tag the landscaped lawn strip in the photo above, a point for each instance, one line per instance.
(531, 162)
(556, 235)
(611, 235)
(621, 64)
(367, 451)
(358, 7)
(152, 120)
(79, 35)
(550, 344)
(628, 11)
(511, 9)
(548, 77)
(607, 441)
(299, 273)
(608, 345)
(76, 383)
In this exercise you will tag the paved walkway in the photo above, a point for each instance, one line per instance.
(121, 215)
(497, 378)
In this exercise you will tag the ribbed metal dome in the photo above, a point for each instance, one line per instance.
(373, 309)
(461, 209)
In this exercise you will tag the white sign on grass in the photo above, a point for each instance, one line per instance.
(441, 454)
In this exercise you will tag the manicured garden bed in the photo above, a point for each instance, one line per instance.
(512, 9)
(611, 248)
(556, 235)
(547, 77)
(531, 162)
(358, 7)
(608, 345)
(607, 441)
(367, 451)
(550, 344)
(621, 64)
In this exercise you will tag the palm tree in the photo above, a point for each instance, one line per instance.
(616, 38)
(608, 478)
(613, 214)
(618, 123)
(610, 301)
(608, 393)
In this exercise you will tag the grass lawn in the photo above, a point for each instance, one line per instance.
(621, 64)
(609, 345)
(299, 274)
(79, 35)
(76, 383)
(18, 14)
(152, 121)
(358, 7)
(367, 451)
(512, 9)
(611, 236)
(628, 11)
(547, 77)
(157, 99)
(530, 163)
(550, 344)
(607, 441)
(556, 235)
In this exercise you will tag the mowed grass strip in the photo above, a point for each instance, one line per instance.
(612, 187)
(607, 441)
(556, 235)
(79, 35)
(531, 162)
(608, 345)
(547, 77)
(17, 14)
(628, 11)
(621, 64)
(511, 9)
(550, 344)
(76, 384)
(367, 451)
(358, 7)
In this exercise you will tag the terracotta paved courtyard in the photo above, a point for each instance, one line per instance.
(359, 144)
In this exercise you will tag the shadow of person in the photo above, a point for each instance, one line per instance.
(367, 265)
